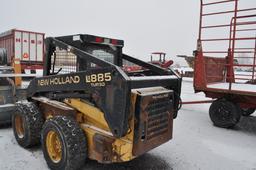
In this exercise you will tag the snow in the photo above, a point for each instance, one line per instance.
(243, 76)
(196, 144)
(234, 86)
(6, 105)
(5, 68)
(184, 69)
(25, 84)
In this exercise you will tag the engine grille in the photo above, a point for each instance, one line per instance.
(153, 119)
(158, 117)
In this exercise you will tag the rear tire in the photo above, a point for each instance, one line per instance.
(27, 122)
(64, 144)
(224, 113)
(248, 112)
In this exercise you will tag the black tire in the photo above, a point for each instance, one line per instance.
(224, 113)
(71, 139)
(248, 112)
(3, 56)
(27, 122)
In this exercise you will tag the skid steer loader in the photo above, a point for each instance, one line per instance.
(86, 106)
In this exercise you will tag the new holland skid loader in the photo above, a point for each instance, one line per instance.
(86, 106)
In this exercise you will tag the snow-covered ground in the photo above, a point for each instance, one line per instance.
(197, 144)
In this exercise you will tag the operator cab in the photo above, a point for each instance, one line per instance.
(63, 61)
(158, 57)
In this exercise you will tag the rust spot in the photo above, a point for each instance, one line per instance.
(79, 118)
(50, 111)
(103, 148)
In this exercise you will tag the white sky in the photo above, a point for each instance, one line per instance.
(146, 26)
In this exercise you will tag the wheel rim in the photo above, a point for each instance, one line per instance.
(19, 126)
(54, 147)
(224, 113)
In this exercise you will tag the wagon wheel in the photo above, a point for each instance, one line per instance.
(224, 113)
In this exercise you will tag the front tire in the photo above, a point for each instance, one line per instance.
(224, 113)
(64, 144)
(27, 122)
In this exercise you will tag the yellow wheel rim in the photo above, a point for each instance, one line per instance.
(54, 147)
(19, 126)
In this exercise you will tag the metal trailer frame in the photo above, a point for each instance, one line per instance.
(210, 70)
(9, 94)
(6, 102)
(220, 47)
